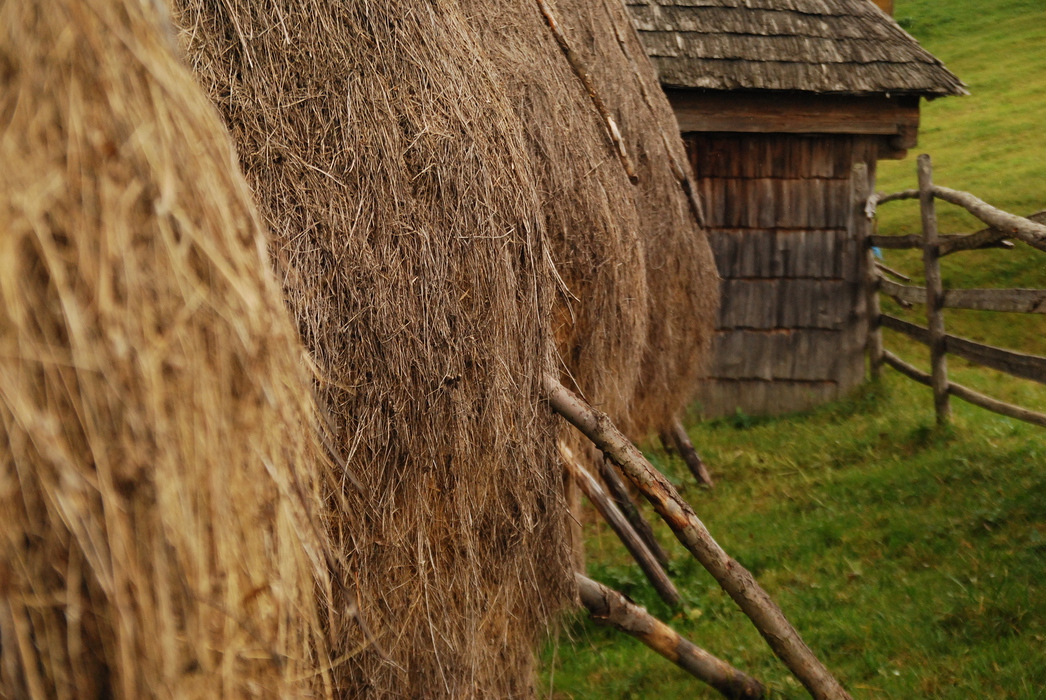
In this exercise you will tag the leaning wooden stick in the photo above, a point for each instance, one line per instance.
(609, 607)
(586, 80)
(678, 440)
(628, 536)
(624, 501)
(737, 581)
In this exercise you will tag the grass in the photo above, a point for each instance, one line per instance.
(911, 559)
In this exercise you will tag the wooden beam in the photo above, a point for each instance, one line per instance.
(737, 581)
(1026, 301)
(967, 394)
(996, 406)
(862, 185)
(934, 290)
(675, 437)
(1016, 364)
(985, 238)
(621, 527)
(906, 369)
(624, 501)
(912, 240)
(950, 243)
(796, 113)
(609, 607)
(1031, 232)
(882, 198)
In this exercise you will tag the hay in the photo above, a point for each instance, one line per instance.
(410, 231)
(449, 217)
(681, 281)
(156, 470)
(637, 321)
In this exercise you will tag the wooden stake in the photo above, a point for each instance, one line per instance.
(737, 581)
(620, 525)
(934, 292)
(619, 492)
(611, 608)
(871, 277)
(676, 438)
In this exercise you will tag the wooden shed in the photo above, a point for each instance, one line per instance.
(777, 100)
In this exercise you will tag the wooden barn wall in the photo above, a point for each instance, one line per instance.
(792, 327)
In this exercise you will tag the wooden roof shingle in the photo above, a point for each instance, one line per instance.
(824, 46)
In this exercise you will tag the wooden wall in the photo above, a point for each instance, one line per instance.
(792, 327)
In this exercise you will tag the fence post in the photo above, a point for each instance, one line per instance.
(934, 291)
(862, 227)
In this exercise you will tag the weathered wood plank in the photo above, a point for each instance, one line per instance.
(777, 156)
(806, 355)
(1013, 363)
(722, 397)
(1027, 301)
(770, 203)
(765, 304)
(800, 114)
(916, 333)
(772, 253)
(912, 240)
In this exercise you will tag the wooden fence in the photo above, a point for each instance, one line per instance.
(1001, 226)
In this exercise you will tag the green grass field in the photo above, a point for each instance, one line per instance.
(912, 560)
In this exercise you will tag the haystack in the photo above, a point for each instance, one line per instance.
(638, 345)
(158, 485)
(451, 220)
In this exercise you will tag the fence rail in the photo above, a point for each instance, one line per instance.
(1001, 225)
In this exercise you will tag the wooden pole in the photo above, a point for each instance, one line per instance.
(620, 525)
(611, 608)
(586, 80)
(861, 222)
(934, 292)
(624, 501)
(737, 581)
(676, 438)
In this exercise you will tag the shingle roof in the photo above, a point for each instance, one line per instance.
(841, 46)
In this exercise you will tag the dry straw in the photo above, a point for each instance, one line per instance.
(156, 474)
(449, 216)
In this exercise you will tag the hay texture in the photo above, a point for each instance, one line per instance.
(451, 221)
(156, 470)
(659, 375)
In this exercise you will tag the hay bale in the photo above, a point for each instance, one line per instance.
(409, 228)
(658, 378)
(157, 472)
(451, 221)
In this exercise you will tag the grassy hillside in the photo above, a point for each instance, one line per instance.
(912, 560)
